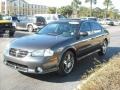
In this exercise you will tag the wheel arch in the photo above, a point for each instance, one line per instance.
(29, 25)
(72, 49)
(106, 40)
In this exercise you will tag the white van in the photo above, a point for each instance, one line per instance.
(51, 17)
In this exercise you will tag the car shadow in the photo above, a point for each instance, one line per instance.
(81, 69)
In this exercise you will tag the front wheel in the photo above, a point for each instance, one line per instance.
(11, 33)
(67, 63)
(30, 28)
(103, 48)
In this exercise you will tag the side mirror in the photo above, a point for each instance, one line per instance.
(83, 33)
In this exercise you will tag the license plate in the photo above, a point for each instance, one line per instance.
(6, 31)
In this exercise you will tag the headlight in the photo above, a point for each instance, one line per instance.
(7, 48)
(44, 52)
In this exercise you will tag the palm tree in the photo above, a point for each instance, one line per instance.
(75, 5)
(91, 5)
(107, 3)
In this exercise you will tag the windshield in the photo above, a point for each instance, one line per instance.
(108, 20)
(65, 29)
(6, 17)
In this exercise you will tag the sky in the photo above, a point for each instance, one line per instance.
(59, 3)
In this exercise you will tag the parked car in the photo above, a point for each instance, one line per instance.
(30, 23)
(57, 47)
(6, 26)
(107, 21)
(51, 17)
(117, 22)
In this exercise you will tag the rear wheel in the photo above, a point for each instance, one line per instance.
(30, 28)
(67, 63)
(103, 48)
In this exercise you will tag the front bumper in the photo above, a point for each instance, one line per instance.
(31, 64)
(7, 30)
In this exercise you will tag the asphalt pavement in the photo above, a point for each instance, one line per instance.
(12, 80)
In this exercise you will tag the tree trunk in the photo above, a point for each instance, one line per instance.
(90, 8)
(107, 7)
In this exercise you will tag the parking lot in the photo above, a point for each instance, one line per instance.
(12, 80)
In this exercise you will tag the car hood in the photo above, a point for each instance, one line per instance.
(36, 42)
(5, 21)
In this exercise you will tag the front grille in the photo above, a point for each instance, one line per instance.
(17, 66)
(18, 53)
(5, 25)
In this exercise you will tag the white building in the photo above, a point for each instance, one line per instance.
(21, 7)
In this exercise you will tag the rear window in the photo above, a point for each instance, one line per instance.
(40, 19)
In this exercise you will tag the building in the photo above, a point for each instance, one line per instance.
(21, 7)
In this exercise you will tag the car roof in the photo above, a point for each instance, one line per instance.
(71, 20)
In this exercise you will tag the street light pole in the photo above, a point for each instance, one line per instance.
(5, 7)
(18, 7)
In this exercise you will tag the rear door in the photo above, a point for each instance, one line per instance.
(22, 22)
(98, 34)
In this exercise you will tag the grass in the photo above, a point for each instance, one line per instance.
(105, 78)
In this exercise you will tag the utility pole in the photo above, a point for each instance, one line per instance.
(56, 10)
(91, 2)
(106, 15)
(18, 7)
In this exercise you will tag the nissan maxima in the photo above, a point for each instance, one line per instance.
(57, 47)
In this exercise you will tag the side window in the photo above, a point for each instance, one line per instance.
(96, 27)
(85, 27)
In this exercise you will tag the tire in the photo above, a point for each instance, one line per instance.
(11, 33)
(30, 28)
(67, 63)
(103, 48)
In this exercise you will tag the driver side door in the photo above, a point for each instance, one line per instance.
(84, 43)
